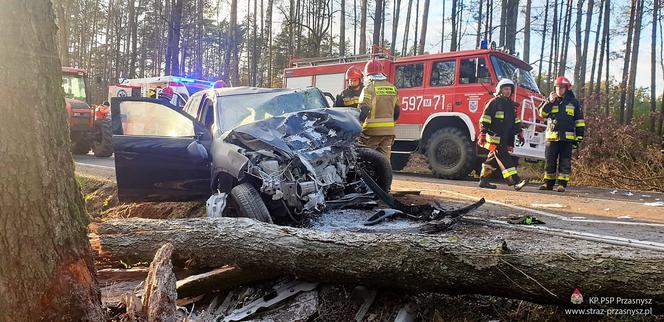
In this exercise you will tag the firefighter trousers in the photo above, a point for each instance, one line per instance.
(500, 159)
(558, 162)
(380, 143)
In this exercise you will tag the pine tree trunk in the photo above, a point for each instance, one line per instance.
(545, 27)
(363, 27)
(423, 34)
(378, 13)
(578, 44)
(503, 22)
(591, 87)
(526, 33)
(395, 25)
(404, 47)
(342, 29)
(453, 45)
(567, 26)
(63, 29)
(631, 87)
(604, 52)
(233, 48)
(270, 58)
(133, 27)
(653, 66)
(47, 271)
(553, 53)
(511, 20)
(581, 89)
(625, 73)
(442, 28)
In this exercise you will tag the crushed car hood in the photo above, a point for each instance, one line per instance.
(310, 133)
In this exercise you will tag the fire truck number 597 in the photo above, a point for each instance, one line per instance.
(417, 103)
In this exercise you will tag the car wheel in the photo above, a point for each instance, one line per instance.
(376, 166)
(399, 160)
(80, 144)
(450, 154)
(103, 145)
(248, 203)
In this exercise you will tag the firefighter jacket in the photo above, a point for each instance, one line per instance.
(564, 119)
(380, 99)
(349, 97)
(499, 121)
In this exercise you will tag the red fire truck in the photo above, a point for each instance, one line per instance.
(442, 98)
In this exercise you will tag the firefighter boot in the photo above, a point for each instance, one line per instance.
(547, 185)
(561, 186)
(516, 181)
(484, 183)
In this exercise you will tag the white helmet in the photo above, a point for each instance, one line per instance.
(504, 82)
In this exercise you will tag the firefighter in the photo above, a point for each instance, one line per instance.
(166, 94)
(379, 109)
(350, 96)
(564, 132)
(498, 126)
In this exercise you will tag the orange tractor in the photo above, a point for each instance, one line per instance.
(89, 126)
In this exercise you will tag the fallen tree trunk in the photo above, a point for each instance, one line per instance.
(529, 266)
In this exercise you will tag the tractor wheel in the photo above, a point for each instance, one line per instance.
(81, 143)
(376, 166)
(399, 160)
(103, 145)
(450, 153)
(248, 203)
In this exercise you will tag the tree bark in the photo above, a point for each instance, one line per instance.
(631, 86)
(547, 268)
(417, 24)
(526, 33)
(47, 271)
(453, 45)
(159, 292)
(578, 46)
(377, 24)
(545, 27)
(653, 66)
(423, 34)
(567, 26)
(363, 27)
(584, 56)
(591, 87)
(625, 73)
(404, 47)
(342, 29)
(133, 27)
(512, 12)
(395, 25)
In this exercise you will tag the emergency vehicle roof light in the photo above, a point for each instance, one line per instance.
(484, 44)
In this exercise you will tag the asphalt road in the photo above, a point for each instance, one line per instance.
(614, 215)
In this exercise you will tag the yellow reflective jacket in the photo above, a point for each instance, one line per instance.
(381, 97)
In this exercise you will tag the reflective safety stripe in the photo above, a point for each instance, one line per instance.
(580, 123)
(549, 176)
(543, 114)
(517, 121)
(570, 110)
(500, 115)
(486, 119)
(552, 135)
(492, 139)
(563, 177)
(385, 90)
(378, 124)
(509, 172)
(554, 109)
(579, 138)
(570, 136)
(349, 101)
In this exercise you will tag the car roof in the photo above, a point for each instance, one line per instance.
(242, 90)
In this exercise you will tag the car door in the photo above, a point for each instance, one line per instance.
(161, 153)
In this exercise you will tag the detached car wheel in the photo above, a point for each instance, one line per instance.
(248, 203)
(103, 145)
(376, 166)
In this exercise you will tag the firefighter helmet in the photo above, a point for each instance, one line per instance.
(353, 73)
(219, 84)
(504, 82)
(167, 92)
(373, 67)
(563, 81)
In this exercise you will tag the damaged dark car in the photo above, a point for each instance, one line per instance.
(278, 155)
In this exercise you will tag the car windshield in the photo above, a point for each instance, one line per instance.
(236, 110)
(74, 87)
(505, 69)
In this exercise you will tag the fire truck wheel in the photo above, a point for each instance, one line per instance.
(376, 166)
(399, 160)
(103, 144)
(81, 144)
(450, 153)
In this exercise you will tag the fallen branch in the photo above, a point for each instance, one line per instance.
(447, 263)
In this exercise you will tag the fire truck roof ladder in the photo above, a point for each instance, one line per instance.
(337, 60)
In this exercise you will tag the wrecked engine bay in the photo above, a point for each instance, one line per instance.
(306, 162)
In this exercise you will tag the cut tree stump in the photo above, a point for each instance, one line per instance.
(539, 268)
(159, 295)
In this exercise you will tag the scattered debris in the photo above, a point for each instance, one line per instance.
(629, 194)
(525, 220)
(159, 294)
(547, 205)
(581, 217)
(624, 217)
(275, 296)
(655, 204)
(407, 313)
(368, 296)
(614, 192)
(216, 204)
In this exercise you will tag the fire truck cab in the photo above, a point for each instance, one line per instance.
(442, 98)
